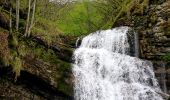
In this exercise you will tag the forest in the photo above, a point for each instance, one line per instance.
(38, 39)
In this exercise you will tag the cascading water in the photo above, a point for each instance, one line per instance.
(104, 71)
(136, 42)
(163, 77)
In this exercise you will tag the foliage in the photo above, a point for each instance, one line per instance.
(166, 57)
(53, 19)
(117, 9)
(46, 29)
(82, 18)
(8, 56)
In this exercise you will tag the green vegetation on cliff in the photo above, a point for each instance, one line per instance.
(23, 20)
(47, 51)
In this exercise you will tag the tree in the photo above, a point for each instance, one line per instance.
(28, 19)
(29, 22)
(10, 21)
(17, 14)
(32, 19)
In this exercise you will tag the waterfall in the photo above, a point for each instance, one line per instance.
(136, 41)
(163, 77)
(103, 70)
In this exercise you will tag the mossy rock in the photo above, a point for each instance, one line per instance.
(55, 72)
(140, 21)
(153, 18)
(157, 1)
(45, 64)
(167, 29)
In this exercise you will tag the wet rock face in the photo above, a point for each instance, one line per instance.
(27, 87)
(163, 75)
(153, 27)
(45, 75)
(154, 37)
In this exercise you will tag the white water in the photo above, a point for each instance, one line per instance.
(163, 77)
(136, 44)
(103, 71)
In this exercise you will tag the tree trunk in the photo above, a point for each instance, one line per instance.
(28, 19)
(10, 21)
(32, 19)
(17, 14)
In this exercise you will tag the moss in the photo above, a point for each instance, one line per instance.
(166, 57)
(4, 50)
(157, 1)
(64, 71)
(9, 55)
(140, 21)
(153, 18)
(167, 29)
(63, 67)
(4, 19)
(61, 70)
(22, 49)
(16, 64)
(63, 86)
(14, 41)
